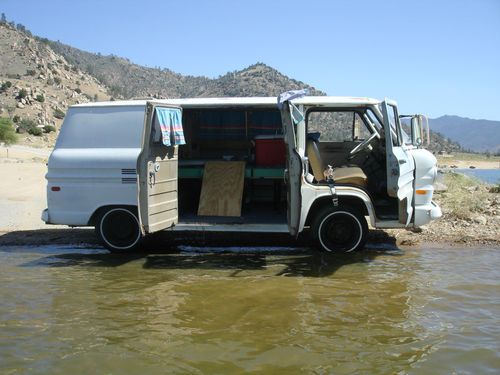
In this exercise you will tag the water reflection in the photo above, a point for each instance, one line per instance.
(236, 310)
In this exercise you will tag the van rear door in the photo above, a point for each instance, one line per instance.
(293, 172)
(400, 164)
(157, 175)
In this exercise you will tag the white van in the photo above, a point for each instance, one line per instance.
(324, 164)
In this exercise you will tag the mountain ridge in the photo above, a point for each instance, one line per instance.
(475, 135)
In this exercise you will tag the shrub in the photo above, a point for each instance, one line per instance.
(30, 72)
(5, 86)
(7, 133)
(78, 90)
(57, 80)
(22, 94)
(58, 114)
(35, 131)
(40, 98)
(30, 127)
(16, 119)
(49, 128)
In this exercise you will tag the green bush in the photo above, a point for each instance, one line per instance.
(30, 127)
(35, 131)
(58, 114)
(7, 133)
(22, 94)
(49, 128)
(16, 119)
(5, 86)
(40, 98)
(31, 72)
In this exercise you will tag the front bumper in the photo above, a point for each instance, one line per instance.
(424, 214)
(45, 215)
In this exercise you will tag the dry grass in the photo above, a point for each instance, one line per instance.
(465, 197)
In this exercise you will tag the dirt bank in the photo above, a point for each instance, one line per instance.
(471, 212)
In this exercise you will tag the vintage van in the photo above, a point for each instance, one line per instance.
(328, 165)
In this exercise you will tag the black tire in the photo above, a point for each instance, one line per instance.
(118, 229)
(340, 230)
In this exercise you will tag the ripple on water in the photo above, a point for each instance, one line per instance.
(271, 309)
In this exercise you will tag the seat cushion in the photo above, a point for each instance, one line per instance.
(350, 175)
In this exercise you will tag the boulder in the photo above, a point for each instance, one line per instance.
(480, 220)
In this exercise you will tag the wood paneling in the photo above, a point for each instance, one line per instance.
(222, 188)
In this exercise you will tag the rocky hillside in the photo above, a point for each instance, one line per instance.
(38, 84)
(129, 80)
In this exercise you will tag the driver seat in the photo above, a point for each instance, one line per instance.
(342, 175)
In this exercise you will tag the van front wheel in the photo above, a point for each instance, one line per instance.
(118, 229)
(340, 230)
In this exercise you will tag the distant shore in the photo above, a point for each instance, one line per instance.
(24, 197)
(465, 160)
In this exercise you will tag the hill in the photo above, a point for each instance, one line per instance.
(475, 135)
(129, 80)
(37, 84)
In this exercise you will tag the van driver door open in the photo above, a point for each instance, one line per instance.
(400, 164)
(157, 168)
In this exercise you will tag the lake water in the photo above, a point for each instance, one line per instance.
(490, 176)
(73, 310)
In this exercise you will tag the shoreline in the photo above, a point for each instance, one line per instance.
(84, 237)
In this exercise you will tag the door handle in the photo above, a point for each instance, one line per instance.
(402, 161)
(152, 178)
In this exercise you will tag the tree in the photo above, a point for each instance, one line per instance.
(4, 18)
(7, 133)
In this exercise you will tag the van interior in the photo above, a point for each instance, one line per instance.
(255, 137)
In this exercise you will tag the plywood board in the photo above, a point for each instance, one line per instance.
(222, 188)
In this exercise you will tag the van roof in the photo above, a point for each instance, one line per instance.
(265, 101)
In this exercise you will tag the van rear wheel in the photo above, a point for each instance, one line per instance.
(118, 229)
(340, 230)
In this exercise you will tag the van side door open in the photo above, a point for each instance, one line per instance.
(157, 173)
(400, 165)
(293, 171)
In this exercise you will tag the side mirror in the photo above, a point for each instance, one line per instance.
(419, 130)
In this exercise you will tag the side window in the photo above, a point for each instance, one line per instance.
(392, 113)
(338, 126)
(156, 131)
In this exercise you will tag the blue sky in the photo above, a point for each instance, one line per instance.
(435, 57)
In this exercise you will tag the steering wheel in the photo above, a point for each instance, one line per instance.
(363, 145)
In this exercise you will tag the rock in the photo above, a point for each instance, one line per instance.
(480, 220)
(438, 186)
(20, 105)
